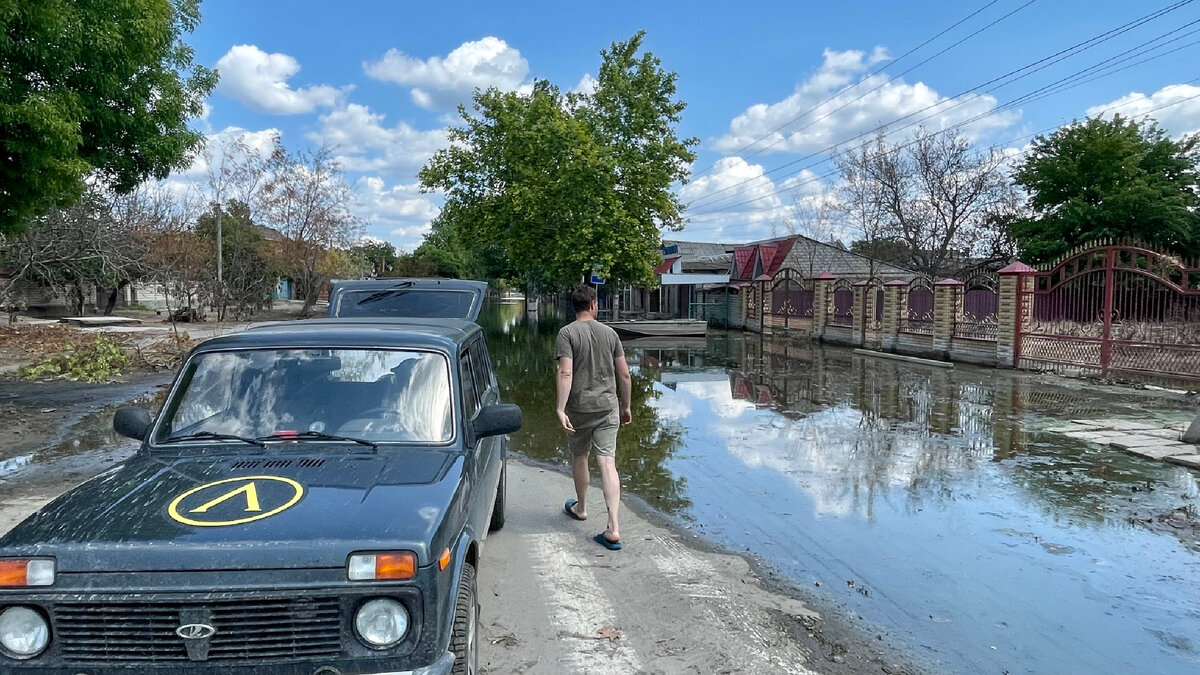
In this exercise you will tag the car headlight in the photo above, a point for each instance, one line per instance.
(381, 622)
(23, 632)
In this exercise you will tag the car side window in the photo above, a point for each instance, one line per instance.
(482, 371)
(470, 399)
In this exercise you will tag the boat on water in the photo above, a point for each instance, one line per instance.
(659, 327)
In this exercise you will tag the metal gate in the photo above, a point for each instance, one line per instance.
(1115, 310)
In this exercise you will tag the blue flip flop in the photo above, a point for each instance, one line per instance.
(606, 543)
(570, 511)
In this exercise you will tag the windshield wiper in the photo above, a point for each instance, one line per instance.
(398, 289)
(214, 436)
(321, 436)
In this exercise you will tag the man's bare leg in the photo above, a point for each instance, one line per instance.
(579, 471)
(610, 483)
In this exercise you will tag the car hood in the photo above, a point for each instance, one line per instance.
(246, 512)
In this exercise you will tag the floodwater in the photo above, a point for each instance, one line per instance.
(931, 503)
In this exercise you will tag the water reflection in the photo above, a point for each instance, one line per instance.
(980, 535)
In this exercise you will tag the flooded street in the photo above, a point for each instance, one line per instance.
(934, 503)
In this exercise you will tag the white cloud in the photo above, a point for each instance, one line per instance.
(363, 143)
(401, 211)
(830, 123)
(444, 82)
(587, 85)
(745, 203)
(259, 81)
(1177, 120)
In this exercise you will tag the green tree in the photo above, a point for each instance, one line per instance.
(1109, 179)
(101, 87)
(375, 258)
(249, 279)
(550, 186)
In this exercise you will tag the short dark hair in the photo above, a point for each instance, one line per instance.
(582, 297)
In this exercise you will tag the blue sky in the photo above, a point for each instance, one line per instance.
(379, 82)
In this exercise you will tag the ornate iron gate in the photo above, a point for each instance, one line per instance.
(1113, 309)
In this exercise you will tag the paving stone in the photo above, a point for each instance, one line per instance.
(1159, 451)
(1130, 441)
(1192, 461)
(1097, 436)
(1130, 425)
(1169, 434)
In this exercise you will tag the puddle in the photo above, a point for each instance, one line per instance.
(987, 542)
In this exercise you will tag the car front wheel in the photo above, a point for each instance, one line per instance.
(464, 642)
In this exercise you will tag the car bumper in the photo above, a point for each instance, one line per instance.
(440, 667)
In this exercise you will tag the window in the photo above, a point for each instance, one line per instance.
(375, 394)
(470, 399)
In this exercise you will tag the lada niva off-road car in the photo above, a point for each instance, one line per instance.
(311, 499)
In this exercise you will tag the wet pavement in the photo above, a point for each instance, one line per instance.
(932, 503)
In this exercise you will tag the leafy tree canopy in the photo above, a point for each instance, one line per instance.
(1112, 178)
(102, 87)
(564, 185)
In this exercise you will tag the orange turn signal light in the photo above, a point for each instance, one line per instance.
(389, 566)
(27, 572)
(444, 560)
(395, 565)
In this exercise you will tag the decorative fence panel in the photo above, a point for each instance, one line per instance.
(980, 308)
(791, 299)
(917, 317)
(1116, 309)
(841, 310)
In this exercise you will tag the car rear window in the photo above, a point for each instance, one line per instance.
(418, 303)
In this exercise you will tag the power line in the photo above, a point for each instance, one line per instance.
(881, 85)
(1015, 75)
(873, 73)
(1028, 136)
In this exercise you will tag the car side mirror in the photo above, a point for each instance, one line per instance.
(496, 419)
(132, 422)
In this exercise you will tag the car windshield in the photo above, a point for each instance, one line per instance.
(418, 303)
(375, 395)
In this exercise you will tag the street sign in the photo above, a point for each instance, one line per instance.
(596, 281)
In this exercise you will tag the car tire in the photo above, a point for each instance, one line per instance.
(464, 640)
(501, 498)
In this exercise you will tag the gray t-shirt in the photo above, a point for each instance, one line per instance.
(592, 348)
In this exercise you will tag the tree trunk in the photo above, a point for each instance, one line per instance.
(112, 297)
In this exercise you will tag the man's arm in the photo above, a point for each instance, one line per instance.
(562, 381)
(624, 388)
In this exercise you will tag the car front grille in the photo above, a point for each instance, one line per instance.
(260, 629)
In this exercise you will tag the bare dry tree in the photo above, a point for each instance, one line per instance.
(941, 197)
(307, 199)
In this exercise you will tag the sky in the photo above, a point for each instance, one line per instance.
(771, 87)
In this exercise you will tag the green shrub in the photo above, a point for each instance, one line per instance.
(95, 362)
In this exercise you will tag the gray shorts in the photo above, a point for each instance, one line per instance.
(595, 432)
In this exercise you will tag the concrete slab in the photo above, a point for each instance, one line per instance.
(1159, 452)
(1190, 461)
(95, 321)
(1168, 434)
(1130, 425)
(1129, 441)
(1097, 436)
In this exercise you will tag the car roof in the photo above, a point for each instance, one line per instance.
(370, 332)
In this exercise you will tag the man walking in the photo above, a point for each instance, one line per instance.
(592, 374)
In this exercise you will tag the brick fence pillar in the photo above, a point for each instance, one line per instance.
(1012, 315)
(822, 298)
(895, 301)
(862, 305)
(947, 307)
